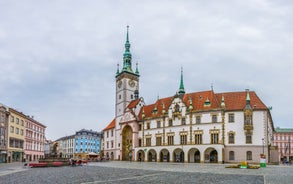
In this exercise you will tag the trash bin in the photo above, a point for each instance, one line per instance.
(263, 162)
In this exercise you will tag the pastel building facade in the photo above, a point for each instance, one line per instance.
(188, 127)
(283, 140)
(87, 142)
(34, 139)
(16, 136)
(109, 140)
(66, 146)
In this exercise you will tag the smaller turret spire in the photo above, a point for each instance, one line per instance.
(223, 102)
(136, 71)
(190, 104)
(247, 99)
(181, 88)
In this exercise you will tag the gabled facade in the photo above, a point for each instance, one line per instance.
(283, 141)
(188, 127)
(34, 139)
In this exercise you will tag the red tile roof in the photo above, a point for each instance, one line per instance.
(233, 101)
(111, 125)
(237, 100)
(133, 103)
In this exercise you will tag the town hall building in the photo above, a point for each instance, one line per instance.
(200, 127)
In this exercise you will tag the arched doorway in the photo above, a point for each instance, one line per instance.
(178, 155)
(112, 156)
(127, 143)
(194, 155)
(140, 156)
(197, 157)
(214, 156)
(211, 155)
(152, 156)
(164, 155)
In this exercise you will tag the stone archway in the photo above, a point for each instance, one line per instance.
(127, 143)
(211, 155)
(194, 155)
(140, 155)
(164, 155)
(178, 155)
(152, 156)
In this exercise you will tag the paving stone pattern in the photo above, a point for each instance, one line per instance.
(134, 172)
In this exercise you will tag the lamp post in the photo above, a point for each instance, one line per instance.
(263, 146)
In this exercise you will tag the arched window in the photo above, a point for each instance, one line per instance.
(248, 155)
(231, 155)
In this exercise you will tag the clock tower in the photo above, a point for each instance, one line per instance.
(127, 81)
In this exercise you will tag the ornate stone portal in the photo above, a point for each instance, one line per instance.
(127, 143)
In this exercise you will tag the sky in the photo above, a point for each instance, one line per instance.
(58, 58)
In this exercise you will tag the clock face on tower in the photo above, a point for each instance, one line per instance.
(131, 83)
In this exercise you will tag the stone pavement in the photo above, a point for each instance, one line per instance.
(145, 172)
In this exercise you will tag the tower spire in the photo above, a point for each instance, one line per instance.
(127, 54)
(181, 88)
(247, 99)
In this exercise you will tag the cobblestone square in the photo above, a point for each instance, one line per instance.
(135, 172)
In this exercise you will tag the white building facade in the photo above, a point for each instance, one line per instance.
(203, 127)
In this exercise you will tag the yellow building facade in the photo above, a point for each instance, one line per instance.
(16, 136)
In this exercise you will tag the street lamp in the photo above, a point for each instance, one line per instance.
(263, 146)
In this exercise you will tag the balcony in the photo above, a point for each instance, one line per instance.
(248, 127)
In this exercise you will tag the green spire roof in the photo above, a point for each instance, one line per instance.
(247, 96)
(181, 88)
(247, 100)
(127, 54)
